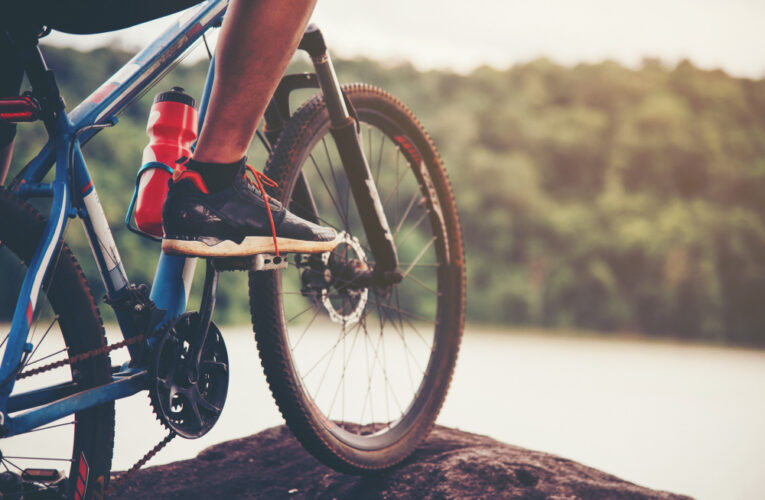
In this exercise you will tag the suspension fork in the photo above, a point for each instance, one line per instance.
(345, 132)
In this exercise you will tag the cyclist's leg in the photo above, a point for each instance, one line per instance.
(211, 209)
(256, 43)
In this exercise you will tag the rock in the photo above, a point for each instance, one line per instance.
(449, 464)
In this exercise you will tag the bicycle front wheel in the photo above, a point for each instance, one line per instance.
(72, 456)
(358, 371)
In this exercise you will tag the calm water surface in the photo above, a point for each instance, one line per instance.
(682, 418)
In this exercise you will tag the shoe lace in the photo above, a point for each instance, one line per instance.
(260, 179)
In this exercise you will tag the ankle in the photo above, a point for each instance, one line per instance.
(216, 176)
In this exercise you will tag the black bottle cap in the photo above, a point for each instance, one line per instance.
(176, 94)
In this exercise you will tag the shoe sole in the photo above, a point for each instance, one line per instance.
(251, 245)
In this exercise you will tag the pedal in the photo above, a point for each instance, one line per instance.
(47, 476)
(260, 262)
(268, 262)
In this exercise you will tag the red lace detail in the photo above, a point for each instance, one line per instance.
(261, 178)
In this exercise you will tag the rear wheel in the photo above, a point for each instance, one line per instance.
(66, 323)
(360, 370)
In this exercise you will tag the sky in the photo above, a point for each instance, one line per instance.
(446, 34)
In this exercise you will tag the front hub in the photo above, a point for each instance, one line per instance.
(339, 280)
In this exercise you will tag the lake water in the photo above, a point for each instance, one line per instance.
(683, 418)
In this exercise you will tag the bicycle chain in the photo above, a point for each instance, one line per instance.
(83, 356)
(117, 482)
(91, 354)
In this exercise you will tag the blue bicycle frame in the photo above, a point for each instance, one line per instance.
(73, 195)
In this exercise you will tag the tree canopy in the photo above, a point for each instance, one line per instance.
(594, 196)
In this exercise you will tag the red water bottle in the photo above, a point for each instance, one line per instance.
(172, 129)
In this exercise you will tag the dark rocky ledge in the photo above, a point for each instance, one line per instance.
(449, 464)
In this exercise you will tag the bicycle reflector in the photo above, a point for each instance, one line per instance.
(19, 109)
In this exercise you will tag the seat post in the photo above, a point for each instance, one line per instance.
(42, 79)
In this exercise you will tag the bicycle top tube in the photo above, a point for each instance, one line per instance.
(139, 74)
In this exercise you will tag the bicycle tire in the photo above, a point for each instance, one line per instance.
(360, 447)
(70, 298)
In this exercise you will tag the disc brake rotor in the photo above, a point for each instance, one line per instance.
(346, 303)
(190, 381)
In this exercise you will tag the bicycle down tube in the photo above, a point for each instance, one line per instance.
(80, 198)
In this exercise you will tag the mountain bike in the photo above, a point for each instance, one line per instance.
(358, 345)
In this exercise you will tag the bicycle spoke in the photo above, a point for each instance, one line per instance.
(55, 320)
(419, 256)
(318, 310)
(379, 159)
(47, 356)
(38, 458)
(52, 426)
(412, 315)
(409, 233)
(5, 460)
(369, 373)
(387, 385)
(403, 340)
(423, 285)
(403, 316)
(329, 192)
(394, 190)
(344, 215)
(342, 375)
(400, 331)
(300, 313)
(333, 350)
(384, 370)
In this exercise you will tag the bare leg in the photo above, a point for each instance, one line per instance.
(5, 162)
(257, 40)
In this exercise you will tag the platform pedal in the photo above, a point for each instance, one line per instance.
(260, 262)
(268, 262)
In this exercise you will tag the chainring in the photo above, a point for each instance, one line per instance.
(189, 382)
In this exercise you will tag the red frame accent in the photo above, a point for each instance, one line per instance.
(19, 109)
(30, 313)
(86, 188)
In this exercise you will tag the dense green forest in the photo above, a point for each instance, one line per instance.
(593, 197)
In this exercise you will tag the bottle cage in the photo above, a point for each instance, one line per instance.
(129, 216)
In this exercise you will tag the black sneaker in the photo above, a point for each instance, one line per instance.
(235, 221)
